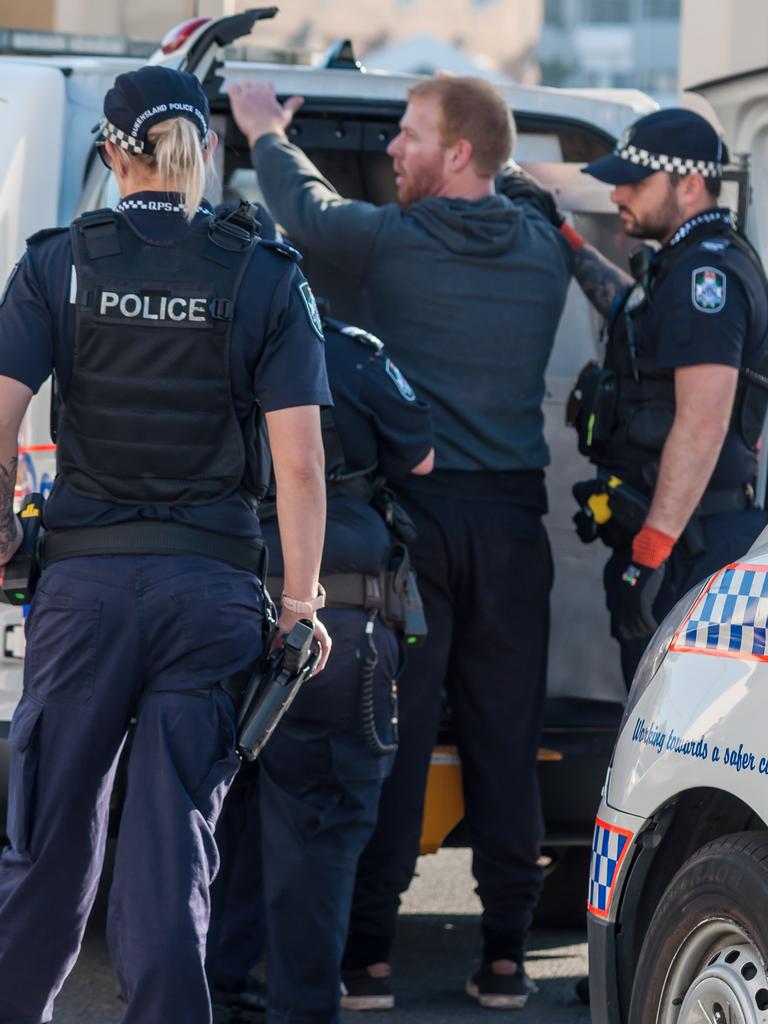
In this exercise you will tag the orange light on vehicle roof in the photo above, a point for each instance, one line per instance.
(179, 34)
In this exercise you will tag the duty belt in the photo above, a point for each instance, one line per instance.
(149, 538)
(735, 499)
(342, 590)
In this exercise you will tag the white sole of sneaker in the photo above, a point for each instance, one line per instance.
(367, 1002)
(491, 1001)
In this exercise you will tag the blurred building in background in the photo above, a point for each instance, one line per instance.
(496, 36)
(613, 44)
(722, 38)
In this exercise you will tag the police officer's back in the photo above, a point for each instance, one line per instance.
(169, 330)
(310, 804)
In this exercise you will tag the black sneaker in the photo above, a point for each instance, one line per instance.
(241, 1005)
(359, 991)
(500, 991)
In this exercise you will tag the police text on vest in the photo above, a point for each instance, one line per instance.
(153, 307)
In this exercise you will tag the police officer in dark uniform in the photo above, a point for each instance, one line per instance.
(673, 418)
(309, 804)
(170, 331)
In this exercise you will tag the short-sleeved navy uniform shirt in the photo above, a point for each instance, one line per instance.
(277, 357)
(379, 420)
(711, 307)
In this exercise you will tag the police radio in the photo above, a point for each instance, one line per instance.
(19, 577)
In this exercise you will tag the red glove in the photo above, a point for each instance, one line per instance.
(651, 547)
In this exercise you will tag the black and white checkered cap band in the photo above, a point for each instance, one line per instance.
(127, 142)
(121, 138)
(671, 164)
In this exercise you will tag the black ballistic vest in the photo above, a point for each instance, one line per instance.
(149, 417)
(643, 394)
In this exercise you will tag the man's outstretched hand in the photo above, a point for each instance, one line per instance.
(258, 112)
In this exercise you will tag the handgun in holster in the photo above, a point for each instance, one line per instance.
(19, 577)
(273, 687)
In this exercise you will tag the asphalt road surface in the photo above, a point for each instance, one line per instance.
(438, 947)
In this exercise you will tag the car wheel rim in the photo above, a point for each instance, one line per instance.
(717, 976)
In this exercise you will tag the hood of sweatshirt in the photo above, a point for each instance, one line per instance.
(472, 227)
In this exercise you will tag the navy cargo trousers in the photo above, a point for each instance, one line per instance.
(485, 574)
(292, 829)
(113, 639)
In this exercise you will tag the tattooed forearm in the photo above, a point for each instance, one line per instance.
(600, 280)
(8, 521)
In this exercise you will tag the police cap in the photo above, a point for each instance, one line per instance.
(674, 140)
(140, 99)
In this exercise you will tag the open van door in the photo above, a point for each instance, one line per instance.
(741, 104)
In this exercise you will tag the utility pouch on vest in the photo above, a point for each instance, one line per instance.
(401, 604)
(394, 515)
(591, 408)
(649, 424)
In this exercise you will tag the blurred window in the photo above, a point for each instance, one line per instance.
(553, 12)
(667, 9)
(613, 11)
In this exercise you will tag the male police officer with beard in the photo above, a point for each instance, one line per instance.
(169, 330)
(296, 821)
(673, 417)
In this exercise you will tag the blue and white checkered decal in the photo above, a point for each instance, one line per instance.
(609, 845)
(730, 619)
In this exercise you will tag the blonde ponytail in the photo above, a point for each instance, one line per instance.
(178, 160)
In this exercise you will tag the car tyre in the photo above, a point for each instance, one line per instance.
(704, 955)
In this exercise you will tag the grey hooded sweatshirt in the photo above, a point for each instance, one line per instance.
(466, 295)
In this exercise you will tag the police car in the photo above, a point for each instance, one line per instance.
(50, 175)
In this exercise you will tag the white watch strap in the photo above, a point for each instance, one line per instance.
(304, 607)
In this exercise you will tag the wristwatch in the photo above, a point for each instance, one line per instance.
(305, 607)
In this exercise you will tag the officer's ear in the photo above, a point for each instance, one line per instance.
(690, 189)
(210, 149)
(118, 159)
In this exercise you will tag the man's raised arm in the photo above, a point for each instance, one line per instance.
(299, 197)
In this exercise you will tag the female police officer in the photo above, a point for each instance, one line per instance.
(168, 328)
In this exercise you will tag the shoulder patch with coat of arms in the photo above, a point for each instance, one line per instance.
(313, 313)
(398, 379)
(708, 289)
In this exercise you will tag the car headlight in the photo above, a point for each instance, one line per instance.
(658, 646)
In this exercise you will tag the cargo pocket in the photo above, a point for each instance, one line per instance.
(23, 738)
(61, 649)
(209, 794)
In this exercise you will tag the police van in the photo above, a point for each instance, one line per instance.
(51, 174)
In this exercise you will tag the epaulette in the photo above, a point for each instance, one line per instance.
(283, 248)
(40, 236)
(364, 337)
(715, 244)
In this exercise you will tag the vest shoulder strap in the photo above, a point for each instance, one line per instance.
(99, 234)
